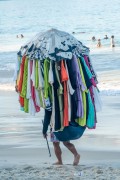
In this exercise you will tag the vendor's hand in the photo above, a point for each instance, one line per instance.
(45, 135)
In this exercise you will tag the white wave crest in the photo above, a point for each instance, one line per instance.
(110, 92)
(7, 87)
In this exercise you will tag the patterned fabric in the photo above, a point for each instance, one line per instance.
(53, 44)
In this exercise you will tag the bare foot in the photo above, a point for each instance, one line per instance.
(58, 163)
(76, 160)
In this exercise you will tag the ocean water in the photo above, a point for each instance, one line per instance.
(86, 18)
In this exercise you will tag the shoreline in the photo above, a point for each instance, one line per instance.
(35, 156)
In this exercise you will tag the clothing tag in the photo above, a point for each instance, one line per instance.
(58, 67)
(47, 102)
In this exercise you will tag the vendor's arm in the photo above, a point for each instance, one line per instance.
(46, 122)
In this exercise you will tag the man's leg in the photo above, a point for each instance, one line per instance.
(72, 148)
(58, 153)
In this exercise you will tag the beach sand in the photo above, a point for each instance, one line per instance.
(24, 154)
(23, 164)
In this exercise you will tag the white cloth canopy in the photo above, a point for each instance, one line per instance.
(53, 44)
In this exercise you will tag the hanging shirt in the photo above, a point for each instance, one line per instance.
(40, 76)
(74, 73)
(36, 75)
(21, 74)
(56, 101)
(25, 76)
(47, 86)
(31, 105)
(77, 85)
(97, 99)
(33, 95)
(28, 95)
(26, 105)
(91, 113)
(51, 81)
(59, 92)
(87, 63)
(86, 72)
(64, 79)
(21, 101)
(33, 73)
(40, 85)
(91, 68)
(17, 68)
(82, 120)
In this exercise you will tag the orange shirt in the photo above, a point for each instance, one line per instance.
(64, 79)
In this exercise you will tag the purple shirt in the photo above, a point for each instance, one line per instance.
(77, 84)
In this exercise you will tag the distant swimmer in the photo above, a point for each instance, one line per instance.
(17, 36)
(22, 36)
(78, 32)
(112, 42)
(82, 32)
(93, 38)
(99, 43)
(106, 37)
